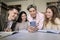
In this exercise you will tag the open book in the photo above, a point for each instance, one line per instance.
(50, 31)
(5, 34)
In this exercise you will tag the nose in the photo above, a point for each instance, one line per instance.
(33, 13)
(16, 15)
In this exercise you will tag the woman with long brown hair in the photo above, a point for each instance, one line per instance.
(52, 21)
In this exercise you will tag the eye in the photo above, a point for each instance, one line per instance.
(33, 10)
(16, 13)
(49, 12)
(30, 11)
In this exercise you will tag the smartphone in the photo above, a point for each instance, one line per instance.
(33, 23)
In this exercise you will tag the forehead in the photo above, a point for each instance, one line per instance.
(49, 9)
(31, 9)
(23, 14)
(14, 10)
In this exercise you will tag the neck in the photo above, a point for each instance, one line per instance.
(34, 17)
(49, 18)
(23, 20)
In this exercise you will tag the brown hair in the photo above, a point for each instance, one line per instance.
(55, 14)
(31, 6)
(13, 7)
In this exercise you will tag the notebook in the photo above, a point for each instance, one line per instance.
(24, 31)
(50, 31)
(5, 34)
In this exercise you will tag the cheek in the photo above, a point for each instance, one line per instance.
(24, 17)
(52, 14)
(48, 15)
(11, 15)
(16, 15)
(30, 13)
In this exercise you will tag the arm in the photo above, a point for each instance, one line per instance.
(30, 28)
(41, 22)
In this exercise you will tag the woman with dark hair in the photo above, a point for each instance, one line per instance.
(22, 22)
(52, 21)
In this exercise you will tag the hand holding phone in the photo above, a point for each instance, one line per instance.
(33, 23)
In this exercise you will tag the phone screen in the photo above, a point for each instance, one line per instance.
(33, 23)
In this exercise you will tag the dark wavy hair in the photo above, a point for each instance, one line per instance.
(20, 14)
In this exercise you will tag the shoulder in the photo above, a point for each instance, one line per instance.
(57, 20)
(17, 24)
(27, 22)
(41, 15)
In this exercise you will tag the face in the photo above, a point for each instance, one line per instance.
(32, 12)
(23, 17)
(13, 14)
(49, 13)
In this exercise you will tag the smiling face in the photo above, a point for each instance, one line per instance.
(23, 16)
(32, 12)
(49, 13)
(13, 14)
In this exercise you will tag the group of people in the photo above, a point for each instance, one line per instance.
(35, 21)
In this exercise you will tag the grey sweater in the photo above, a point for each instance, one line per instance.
(21, 26)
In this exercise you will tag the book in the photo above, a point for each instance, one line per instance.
(50, 31)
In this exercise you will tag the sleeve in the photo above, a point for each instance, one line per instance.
(28, 24)
(41, 22)
(58, 22)
(17, 27)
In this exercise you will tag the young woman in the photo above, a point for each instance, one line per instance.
(22, 22)
(52, 21)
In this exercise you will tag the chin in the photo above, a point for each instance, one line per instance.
(13, 19)
(48, 17)
(34, 16)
